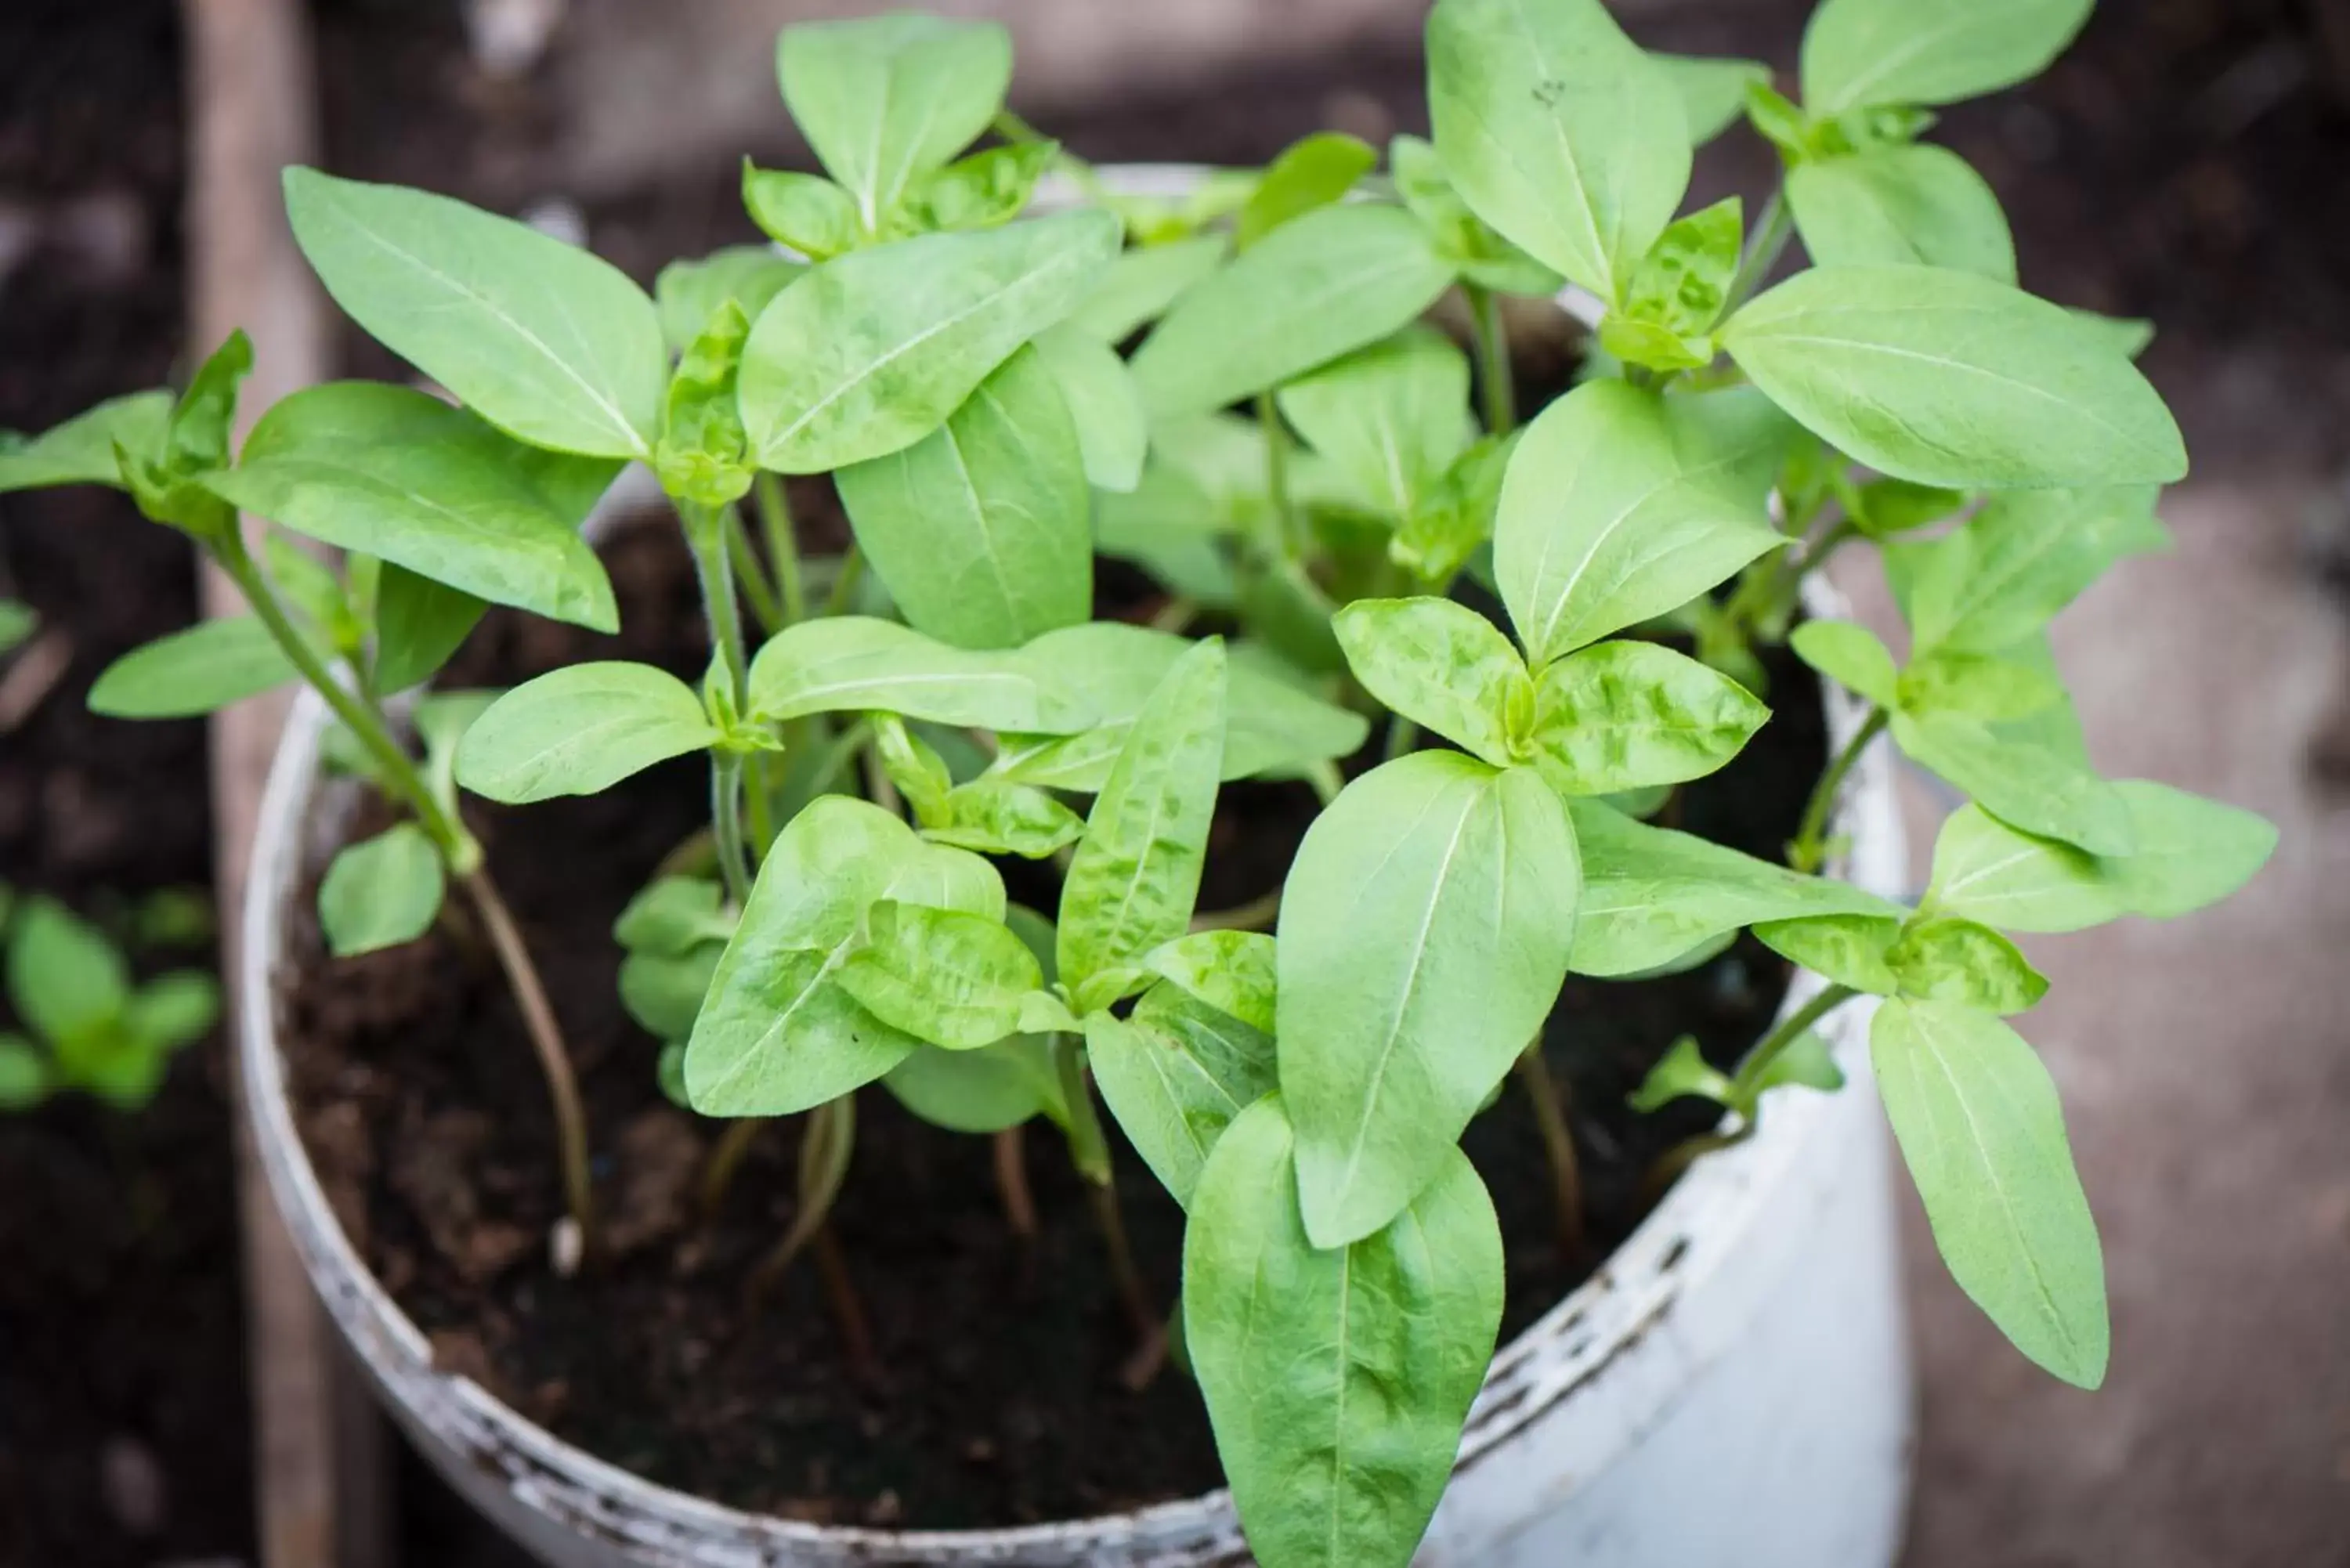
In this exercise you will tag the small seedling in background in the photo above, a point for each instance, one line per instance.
(87, 1027)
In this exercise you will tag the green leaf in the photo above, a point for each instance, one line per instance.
(1650, 893)
(1890, 506)
(1466, 242)
(1136, 874)
(1337, 1381)
(1857, 53)
(1806, 1061)
(1681, 1072)
(945, 976)
(983, 191)
(580, 730)
(1232, 971)
(65, 980)
(1332, 282)
(1424, 934)
(1682, 282)
(393, 474)
(1850, 950)
(1945, 378)
(1627, 715)
(867, 355)
(25, 1079)
(1113, 432)
(1982, 1133)
(996, 818)
(1712, 91)
(885, 99)
(1308, 175)
(2029, 786)
(777, 1034)
(197, 437)
(2124, 336)
(700, 459)
(978, 1092)
(1176, 1075)
(1978, 685)
(1141, 286)
(1558, 131)
(806, 213)
(687, 292)
(1110, 669)
(1444, 667)
(419, 627)
(982, 530)
(1620, 505)
(1946, 959)
(381, 892)
(543, 340)
(672, 916)
(664, 992)
(1850, 655)
(206, 667)
(82, 449)
(854, 663)
(18, 624)
(2020, 561)
(1437, 542)
(1911, 204)
(1392, 419)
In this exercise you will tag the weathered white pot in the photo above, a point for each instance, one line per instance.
(1732, 1390)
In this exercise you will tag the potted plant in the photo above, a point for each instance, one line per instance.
(1503, 657)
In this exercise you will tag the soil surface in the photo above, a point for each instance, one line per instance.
(123, 1430)
(998, 1399)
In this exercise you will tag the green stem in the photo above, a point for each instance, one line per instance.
(765, 609)
(1276, 473)
(844, 582)
(726, 824)
(1558, 1146)
(759, 815)
(1087, 1144)
(1497, 386)
(1763, 252)
(705, 536)
(1403, 734)
(1089, 1147)
(1807, 851)
(1745, 1085)
(783, 546)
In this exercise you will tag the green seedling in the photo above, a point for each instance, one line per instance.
(87, 1027)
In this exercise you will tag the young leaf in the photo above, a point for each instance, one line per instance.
(1681, 1072)
(1712, 91)
(1375, 1351)
(2019, 561)
(543, 340)
(381, 892)
(777, 1035)
(1945, 959)
(1424, 935)
(1141, 286)
(1390, 419)
(1113, 431)
(1978, 685)
(1620, 505)
(1857, 53)
(885, 99)
(1435, 543)
(1945, 378)
(18, 625)
(419, 627)
(1324, 285)
(805, 213)
(1443, 666)
(1650, 895)
(1850, 655)
(1890, 506)
(866, 354)
(1309, 174)
(1466, 242)
(1913, 204)
(1682, 282)
(580, 730)
(996, 818)
(982, 529)
(673, 916)
(1232, 971)
(82, 449)
(26, 1076)
(1983, 1135)
(208, 666)
(942, 976)
(984, 1091)
(1558, 131)
(1136, 874)
(2032, 787)
(984, 190)
(686, 292)
(1850, 950)
(664, 992)
(700, 459)
(1627, 715)
(1175, 1074)
(853, 663)
(391, 472)
(65, 980)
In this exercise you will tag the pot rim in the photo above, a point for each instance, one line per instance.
(1568, 1349)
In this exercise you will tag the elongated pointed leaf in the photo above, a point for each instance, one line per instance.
(1946, 959)
(1850, 655)
(885, 99)
(1983, 1135)
(2032, 787)
(1232, 971)
(1558, 131)
(2021, 559)
(1112, 430)
(777, 1034)
(539, 337)
(81, 449)
(1141, 285)
(1309, 174)
(1945, 378)
(1424, 933)
(580, 730)
(193, 671)
(1392, 419)
(1850, 950)
(1136, 874)
(867, 354)
(1712, 91)
(393, 474)
(1324, 285)
(982, 529)
(687, 292)
(1444, 667)
(65, 980)
(418, 626)
(1175, 1074)
(1862, 52)
(1914, 203)
(1337, 1381)
(1627, 715)
(854, 663)
(381, 892)
(1620, 505)
(954, 979)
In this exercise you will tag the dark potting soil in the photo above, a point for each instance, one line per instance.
(998, 1399)
(123, 1428)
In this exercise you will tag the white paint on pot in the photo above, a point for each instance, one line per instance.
(1730, 1390)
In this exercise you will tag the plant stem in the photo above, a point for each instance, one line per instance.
(844, 582)
(764, 607)
(828, 1138)
(1497, 385)
(1558, 1146)
(783, 546)
(718, 1171)
(759, 805)
(1807, 851)
(1276, 475)
(705, 530)
(726, 824)
(1090, 1148)
(1253, 916)
(1744, 1092)
(1012, 1183)
(1763, 252)
(1403, 735)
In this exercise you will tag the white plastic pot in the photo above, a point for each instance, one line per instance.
(1731, 1389)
